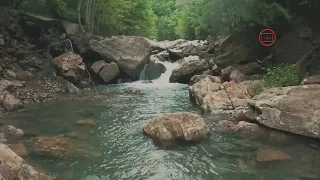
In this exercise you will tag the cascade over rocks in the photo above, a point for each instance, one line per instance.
(154, 69)
(180, 126)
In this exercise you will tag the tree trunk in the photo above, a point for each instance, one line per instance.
(79, 15)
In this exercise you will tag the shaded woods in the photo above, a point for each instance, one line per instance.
(173, 19)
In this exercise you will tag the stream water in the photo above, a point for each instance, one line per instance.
(125, 154)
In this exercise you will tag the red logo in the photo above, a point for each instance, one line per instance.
(267, 37)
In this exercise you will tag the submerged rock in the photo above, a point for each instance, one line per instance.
(13, 167)
(267, 155)
(244, 128)
(60, 147)
(86, 122)
(180, 126)
(11, 132)
(19, 149)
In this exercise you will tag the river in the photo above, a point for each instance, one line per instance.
(125, 154)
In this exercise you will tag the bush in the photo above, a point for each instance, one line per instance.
(283, 76)
(280, 76)
(258, 88)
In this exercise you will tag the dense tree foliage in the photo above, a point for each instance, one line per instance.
(172, 19)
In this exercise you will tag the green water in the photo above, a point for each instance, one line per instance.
(128, 155)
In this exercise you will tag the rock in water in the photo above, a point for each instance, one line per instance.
(180, 126)
(293, 109)
(189, 68)
(267, 155)
(14, 166)
(60, 147)
(130, 53)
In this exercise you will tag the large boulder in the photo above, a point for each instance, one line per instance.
(130, 53)
(188, 69)
(13, 167)
(293, 109)
(233, 49)
(247, 69)
(180, 126)
(216, 97)
(163, 45)
(70, 66)
(154, 69)
(291, 43)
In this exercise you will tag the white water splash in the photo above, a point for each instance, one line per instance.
(164, 78)
(161, 82)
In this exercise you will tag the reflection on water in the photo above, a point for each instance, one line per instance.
(127, 155)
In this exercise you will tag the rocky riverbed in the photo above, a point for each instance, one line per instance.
(220, 74)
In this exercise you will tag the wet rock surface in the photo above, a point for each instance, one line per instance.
(181, 126)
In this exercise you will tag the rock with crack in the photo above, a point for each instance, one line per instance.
(216, 97)
(180, 126)
(295, 109)
(13, 167)
(130, 53)
(68, 86)
(70, 66)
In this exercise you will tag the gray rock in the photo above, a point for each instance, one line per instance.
(109, 72)
(68, 86)
(97, 66)
(237, 76)
(9, 74)
(130, 53)
(11, 103)
(293, 109)
(11, 132)
(189, 68)
(2, 43)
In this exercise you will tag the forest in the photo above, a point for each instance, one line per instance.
(173, 19)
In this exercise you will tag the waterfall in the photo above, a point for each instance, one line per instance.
(142, 74)
(164, 78)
